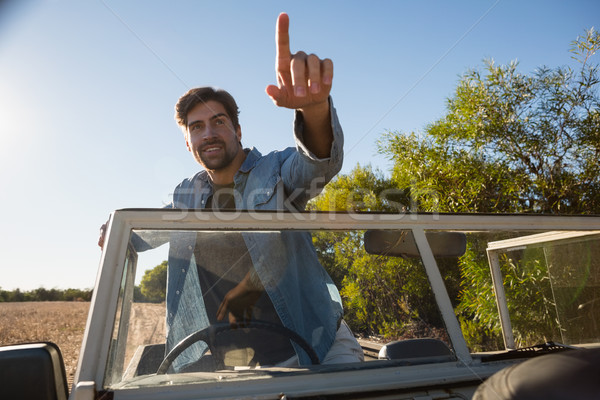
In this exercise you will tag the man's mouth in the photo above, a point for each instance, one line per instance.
(210, 148)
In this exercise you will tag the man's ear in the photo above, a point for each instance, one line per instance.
(238, 133)
(187, 142)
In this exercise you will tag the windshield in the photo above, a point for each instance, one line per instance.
(214, 264)
(552, 284)
(226, 305)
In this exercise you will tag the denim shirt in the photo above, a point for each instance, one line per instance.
(300, 289)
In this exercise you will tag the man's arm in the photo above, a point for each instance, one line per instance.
(303, 84)
(318, 135)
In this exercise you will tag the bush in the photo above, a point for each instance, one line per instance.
(154, 283)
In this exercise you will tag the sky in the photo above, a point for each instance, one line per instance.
(88, 88)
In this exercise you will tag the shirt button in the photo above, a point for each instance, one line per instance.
(182, 269)
(177, 292)
(189, 247)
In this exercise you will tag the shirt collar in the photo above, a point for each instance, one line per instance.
(252, 157)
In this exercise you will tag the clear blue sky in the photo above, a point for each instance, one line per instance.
(87, 90)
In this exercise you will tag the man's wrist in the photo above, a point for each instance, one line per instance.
(315, 109)
(254, 282)
(318, 132)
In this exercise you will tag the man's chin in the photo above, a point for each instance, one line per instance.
(213, 165)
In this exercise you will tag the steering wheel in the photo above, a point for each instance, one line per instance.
(208, 335)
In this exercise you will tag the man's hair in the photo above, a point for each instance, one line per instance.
(202, 95)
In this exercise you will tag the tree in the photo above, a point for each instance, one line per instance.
(154, 283)
(43, 294)
(382, 295)
(364, 189)
(510, 142)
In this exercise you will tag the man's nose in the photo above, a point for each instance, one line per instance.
(209, 133)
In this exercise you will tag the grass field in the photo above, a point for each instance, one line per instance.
(63, 322)
(60, 322)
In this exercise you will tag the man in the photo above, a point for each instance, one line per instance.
(271, 277)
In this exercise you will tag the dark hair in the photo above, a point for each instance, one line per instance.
(203, 95)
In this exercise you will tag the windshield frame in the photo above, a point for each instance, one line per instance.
(101, 319)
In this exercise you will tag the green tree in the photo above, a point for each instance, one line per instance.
(382, 295)
(364, 189)
(154, 283)
(509, 142)
(138, 297)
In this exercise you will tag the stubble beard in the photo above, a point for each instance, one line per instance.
(215, 164)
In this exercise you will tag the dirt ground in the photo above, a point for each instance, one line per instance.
(64, 324)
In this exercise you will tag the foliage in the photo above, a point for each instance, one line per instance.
(364, 189)
(372, 285)
(382, 295)
(527, 288)
(43, 294)
(477, 311)
(154, 283)
(440, 178)
(138, 297)
(531, 304)
(509, 142)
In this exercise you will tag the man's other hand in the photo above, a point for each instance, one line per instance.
(102, 235)
(239, 302)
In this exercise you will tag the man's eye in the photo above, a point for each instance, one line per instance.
(219, 122)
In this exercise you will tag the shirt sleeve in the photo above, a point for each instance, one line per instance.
(337, 147)
(303, 173)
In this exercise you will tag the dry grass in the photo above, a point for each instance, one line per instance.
(60, 322)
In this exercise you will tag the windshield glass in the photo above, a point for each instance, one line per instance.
(552, 284)
(185, 293)
(208, 305)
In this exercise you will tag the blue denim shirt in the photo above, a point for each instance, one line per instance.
(302, 292)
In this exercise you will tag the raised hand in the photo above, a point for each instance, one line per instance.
(303, 81)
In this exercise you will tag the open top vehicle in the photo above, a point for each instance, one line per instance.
(543, 298)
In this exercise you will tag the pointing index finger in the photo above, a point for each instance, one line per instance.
(282, 39)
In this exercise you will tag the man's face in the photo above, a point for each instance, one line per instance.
(211, 137)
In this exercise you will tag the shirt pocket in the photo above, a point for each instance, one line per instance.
(265, 194)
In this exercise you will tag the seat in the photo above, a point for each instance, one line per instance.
(571, 374)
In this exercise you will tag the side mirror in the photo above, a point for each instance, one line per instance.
(401, 243)
(33, 371)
